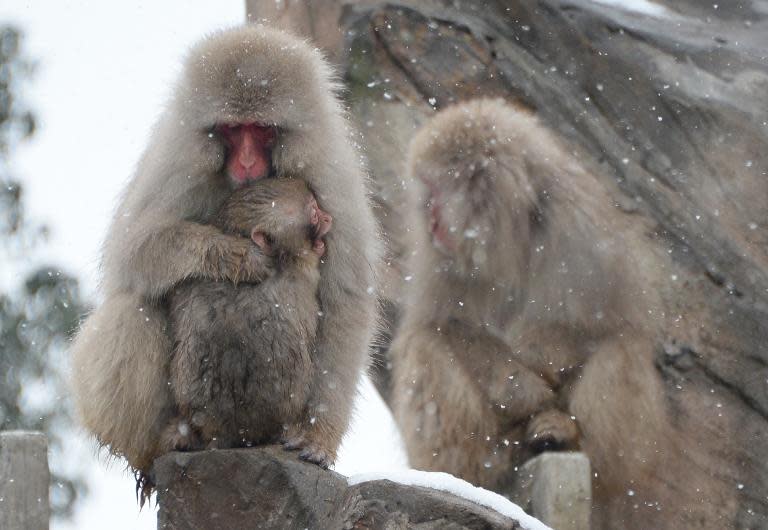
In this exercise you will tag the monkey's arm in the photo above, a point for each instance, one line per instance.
(444, 413)
(340, 353)
(520, 386)
(465, 405)
(175, 252)
(512, 388)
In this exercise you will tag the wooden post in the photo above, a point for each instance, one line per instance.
(24, 480)
(556, 488)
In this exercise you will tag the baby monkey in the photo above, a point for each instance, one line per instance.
(241, 367)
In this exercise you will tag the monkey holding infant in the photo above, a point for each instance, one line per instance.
(190, 299)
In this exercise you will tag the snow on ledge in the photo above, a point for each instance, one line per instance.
(461, 488)
(646, 7)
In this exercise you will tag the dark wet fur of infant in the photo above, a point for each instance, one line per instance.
(241, 365)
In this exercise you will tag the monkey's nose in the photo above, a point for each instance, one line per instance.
(247, 156)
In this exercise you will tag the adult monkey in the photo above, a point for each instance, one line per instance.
(252, 102)
(530, 322)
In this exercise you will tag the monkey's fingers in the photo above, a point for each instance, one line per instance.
(318, 247)
(240, 268)
(309, 452)
(179, 436)
(316, 455)
(294, 443)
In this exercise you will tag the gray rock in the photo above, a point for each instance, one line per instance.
(266, 487)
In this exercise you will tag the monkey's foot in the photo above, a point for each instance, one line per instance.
(552, 430)
(180, 436)
(309, 451)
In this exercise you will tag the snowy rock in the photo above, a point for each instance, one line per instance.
(266, 488)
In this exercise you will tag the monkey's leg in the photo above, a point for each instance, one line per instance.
(632, 444)
(552, 430)
(194, 371)
(120, 378)
(180, 435)
(185, 250)
(447, 421)
(340, 355)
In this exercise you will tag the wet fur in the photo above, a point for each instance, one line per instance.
(242, 362)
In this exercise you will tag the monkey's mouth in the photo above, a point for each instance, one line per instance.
(441, 235)
(438, 229)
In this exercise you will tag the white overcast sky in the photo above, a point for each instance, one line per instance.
(104, 71)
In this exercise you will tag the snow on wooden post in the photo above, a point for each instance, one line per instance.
(556, 488)
(24, 480)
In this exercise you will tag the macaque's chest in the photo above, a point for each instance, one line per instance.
(243, 354)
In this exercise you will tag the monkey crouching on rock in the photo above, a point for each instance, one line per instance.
(252, 103)
(528, 324)
(242, 362)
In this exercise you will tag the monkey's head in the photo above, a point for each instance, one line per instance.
(475, 190)
(246, 94)
(281, 216)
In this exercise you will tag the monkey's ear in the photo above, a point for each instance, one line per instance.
(260, 238)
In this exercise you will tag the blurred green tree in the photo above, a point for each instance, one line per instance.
(39, 308)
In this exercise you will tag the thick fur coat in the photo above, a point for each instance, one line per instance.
(161, 235)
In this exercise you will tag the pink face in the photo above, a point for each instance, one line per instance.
(319, 220)
(249, 151)
(438, 229)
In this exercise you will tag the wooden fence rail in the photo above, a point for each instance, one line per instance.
(24, 480)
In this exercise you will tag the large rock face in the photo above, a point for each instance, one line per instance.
(267, 487)
(667, 101)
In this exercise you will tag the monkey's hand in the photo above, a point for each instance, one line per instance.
(179, 436)
(318, 247)
(240, 260)
(310, 447)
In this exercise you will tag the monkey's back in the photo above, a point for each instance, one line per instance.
(241, 366)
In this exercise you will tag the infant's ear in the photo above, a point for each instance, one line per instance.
(260, 238)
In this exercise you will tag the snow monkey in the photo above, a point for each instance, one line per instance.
(242, 362)
(251, 103)
(526, 325)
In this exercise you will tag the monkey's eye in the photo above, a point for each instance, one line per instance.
(224, 132)
(269, 136)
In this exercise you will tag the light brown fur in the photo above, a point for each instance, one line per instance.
(531, 328)
(161, 235)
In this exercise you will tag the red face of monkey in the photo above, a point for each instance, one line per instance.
(249, 151)
(439, 226)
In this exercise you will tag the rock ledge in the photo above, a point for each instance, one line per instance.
(266, 488)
